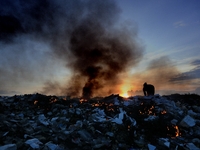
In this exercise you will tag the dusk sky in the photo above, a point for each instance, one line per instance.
(62, 46)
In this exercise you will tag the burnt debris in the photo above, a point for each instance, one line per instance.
(49, 122)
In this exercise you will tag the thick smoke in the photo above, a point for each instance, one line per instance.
(85, 35)
(100, 56)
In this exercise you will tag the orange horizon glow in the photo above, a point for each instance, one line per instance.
(125, 87)
(124, 95)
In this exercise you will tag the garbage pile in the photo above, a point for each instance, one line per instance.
(42, 122)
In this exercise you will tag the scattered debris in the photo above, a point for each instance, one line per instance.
(42, 122)
(187, 122)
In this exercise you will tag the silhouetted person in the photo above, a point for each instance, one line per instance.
(148, 89)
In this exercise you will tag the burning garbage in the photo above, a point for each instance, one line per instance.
(48, 122)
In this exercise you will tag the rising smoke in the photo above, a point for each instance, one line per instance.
(85, 35)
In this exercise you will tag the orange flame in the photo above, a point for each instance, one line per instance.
(177, 131)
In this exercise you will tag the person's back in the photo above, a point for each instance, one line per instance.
(148, 89)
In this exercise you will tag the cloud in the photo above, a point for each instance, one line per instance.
(8, 93)
(165, 76)
(158, 72)
(189, 75)
(197, 91)
(196, 62)
(179, 24)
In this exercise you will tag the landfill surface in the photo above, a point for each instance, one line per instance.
(36, 121)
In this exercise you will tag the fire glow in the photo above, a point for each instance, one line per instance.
(124, 95)
(124, 90)
(177, 131)
(53, 100)
(163, 112)
(82, 100)
(146, 109)
(35, 102)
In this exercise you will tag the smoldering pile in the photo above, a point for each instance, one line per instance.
(49, 122)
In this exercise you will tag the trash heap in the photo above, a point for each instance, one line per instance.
(42, 122)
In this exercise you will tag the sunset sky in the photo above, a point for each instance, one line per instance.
(169, 29)
(39, 50)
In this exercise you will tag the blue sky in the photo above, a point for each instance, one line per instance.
(35, 53)
(168, 27)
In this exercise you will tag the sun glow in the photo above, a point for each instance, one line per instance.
(124, 90)
(124, 95)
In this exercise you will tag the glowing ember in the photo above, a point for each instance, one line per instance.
(53, 100)
(177, 131)
(150, 111)
(83, 100)
(35, 102)
(163, 112)
(96, 105)
(146, 111)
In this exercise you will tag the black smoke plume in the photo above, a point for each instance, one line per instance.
(86, 35)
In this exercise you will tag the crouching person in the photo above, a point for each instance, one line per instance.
(148, 89)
